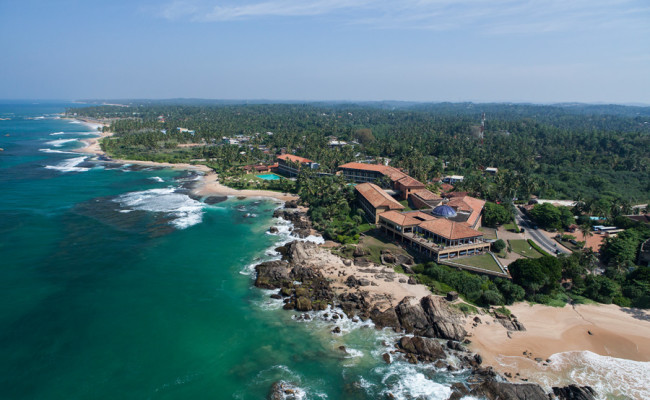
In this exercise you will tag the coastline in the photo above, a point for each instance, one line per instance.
(207, 186)
(606, 330)
(559, 350)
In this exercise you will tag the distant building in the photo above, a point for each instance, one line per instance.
(453, 179)
(491, 170)
(376, 173)
(290, 165)
(374, 201)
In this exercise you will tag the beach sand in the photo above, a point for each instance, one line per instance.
(615, 332)
(208, 186)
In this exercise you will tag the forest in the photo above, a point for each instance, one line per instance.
(559, 152)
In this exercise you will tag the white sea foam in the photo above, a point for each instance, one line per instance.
(60, 142)
(56, 151)
(157, 179)
(184, 210)
(57, 133)
(608, 376)
(69, 165)
(404, 381)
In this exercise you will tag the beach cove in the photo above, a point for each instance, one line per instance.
(175, 274)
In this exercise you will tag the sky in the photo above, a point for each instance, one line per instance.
(540, 51)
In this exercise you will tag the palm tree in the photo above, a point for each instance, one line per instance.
(585, 229)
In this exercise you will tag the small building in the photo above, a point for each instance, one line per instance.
(492, 170)
(453, 179)
(374, 201)
(290, 165)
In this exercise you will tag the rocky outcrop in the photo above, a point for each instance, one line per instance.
(303, 287)
(283, 391)
(301, 223)
(574, 392)
(510, 323)
(430, 317)
(272, 274)
(424, 349)
(493, 390)
(385, 319)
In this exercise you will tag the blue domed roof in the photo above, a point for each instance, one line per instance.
(444, 211)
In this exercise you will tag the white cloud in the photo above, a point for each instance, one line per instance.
(491, 16)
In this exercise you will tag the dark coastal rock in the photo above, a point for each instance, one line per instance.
(359, 252)
(431, 317)
(354, 304)
(445, 320)
(511, 324)
(386, 358)
(211, 200)
(388, 259)
(412, 281)
(425, 349)
(273, 229)
(352, 282)
(385, 319)
(282, 391)
(271, 274)
(407, 269)
(574, 392)
(303, 303)
(291, 204)
(493, 390)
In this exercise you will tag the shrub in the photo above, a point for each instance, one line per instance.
(498, 246)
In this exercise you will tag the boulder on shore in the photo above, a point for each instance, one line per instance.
(574, 392)
(425, 349)
(430, 317)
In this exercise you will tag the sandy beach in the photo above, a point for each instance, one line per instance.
(553, 333)
(208, 186)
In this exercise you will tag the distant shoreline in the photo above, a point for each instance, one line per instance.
(208, 186)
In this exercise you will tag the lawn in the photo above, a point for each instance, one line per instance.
(484, 261)
(488, 233)
(512, 227)
(405, 203)
(523, 248)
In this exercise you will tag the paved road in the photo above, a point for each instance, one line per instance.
(538, 237)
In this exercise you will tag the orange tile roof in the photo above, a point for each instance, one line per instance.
(449, 229)
(377, 197)
(468, 204)
(406, 218)
(296, 159)
(393, 173)
(425, 194)
(409, 182)
(446, 187)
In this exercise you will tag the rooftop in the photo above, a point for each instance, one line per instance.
(296, 159)
(449, 229)
(406, 218)
(393, 173)
(425, 194)
(377, 197)
(409, 182)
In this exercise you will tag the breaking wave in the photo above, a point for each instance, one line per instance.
(60, 142)
(183, 210)
(69, 165)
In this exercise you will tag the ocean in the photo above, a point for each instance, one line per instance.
(114, 283)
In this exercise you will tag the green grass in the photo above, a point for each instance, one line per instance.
(488, 233)
(484, 261)
(374, 246)
(405, 203)
(522, 247)
(511, 227)
(466, 308)
(366, 227)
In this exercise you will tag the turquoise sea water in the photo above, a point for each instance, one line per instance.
(114, 284)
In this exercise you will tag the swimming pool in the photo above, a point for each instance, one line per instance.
(269, 177)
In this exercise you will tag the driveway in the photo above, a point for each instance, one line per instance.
(537, 235)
